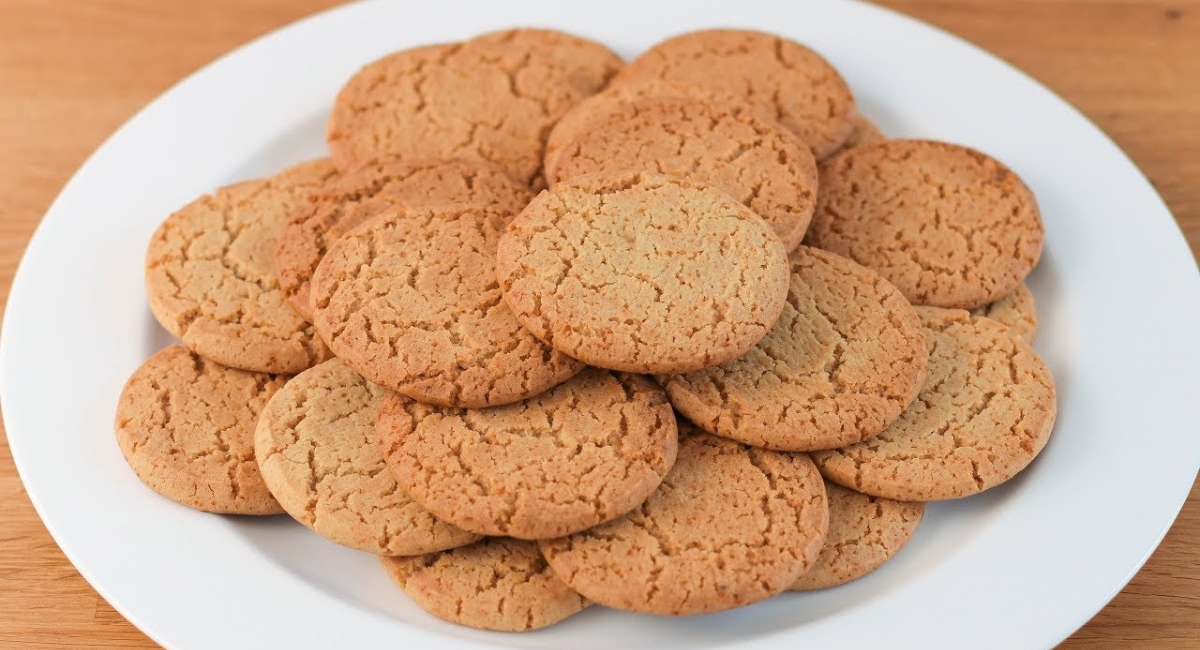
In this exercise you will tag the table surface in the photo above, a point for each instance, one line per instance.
(72, 72)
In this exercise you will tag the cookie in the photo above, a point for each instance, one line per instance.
(186, 426)
(1017, 310)
(949, 226)
(730, 525)
(590, 65)
(358, 196)
(864, 533)
(210, 274)
(844, 360)
(485, 101)
(799, 87)
(496, 584)
(986, 410)
(643, 273)
(410, 301)
(316, 446)
(727, 146)
(863, 132)
(585, 452)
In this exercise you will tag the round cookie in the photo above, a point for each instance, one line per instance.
(844, 360)
(986, 410)
(727, 146)
(864, 533)
(863, 132)
(410, 301)
(643, 273)
(730, 525)
(799, 87)
(367, 192)
(318, 453)
(186, 426)
(585, 452)
(589, 64)
(210, 274)
(496, 584)
(1017, 310)
(949, 226)
(478, 100)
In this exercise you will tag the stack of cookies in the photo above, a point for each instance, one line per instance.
(546, 329)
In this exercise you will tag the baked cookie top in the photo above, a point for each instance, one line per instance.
(949, 226)
(1017, 310)
(316, 446)
(589, 64)
(643, 273)
(358, 196)
(410, 301)
(587, 451)
(727, 146)
(729, 526)
(985, 411)
(844, 360)
(210, 274)
(186, 426)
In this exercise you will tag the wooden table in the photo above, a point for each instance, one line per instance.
(72, 72)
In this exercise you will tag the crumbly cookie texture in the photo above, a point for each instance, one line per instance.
(585, 452)
(210, 274)
(589, 64)
(844, 360)
(755, 161)
(864, 533)
(480, 100)
(730, 525)
(410, 301)
(316, 446)
(1017, 310)
(367, 192)
(186, 426)
(949, 226)
(498, 583)
(799, 87)
(986, 410)
(863, 132)
(643, 273)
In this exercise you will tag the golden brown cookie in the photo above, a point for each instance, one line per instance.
(800, 88)
(727, 146)
(864, 132)
(585, 452)
(643, 273)
(589, 64)
(843, 361)
(498, 583)
(410, 301)
(864, 533)
(210, 274)
(949, 226)
(186, 426)
(730, 525)
(986, 410)
(319, 455)
(1017, 310)
(478, 100)
(358, 196)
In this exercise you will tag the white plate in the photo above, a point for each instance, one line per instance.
(1020, 566)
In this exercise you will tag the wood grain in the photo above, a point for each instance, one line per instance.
(72, 72)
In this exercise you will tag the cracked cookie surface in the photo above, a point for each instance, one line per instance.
(643, 273)
(498, 583)
(795, 84)
(210, 274)
(845, 358)
(985, 411)
(479, 100)
(369, 191)
(727, 146)
(949, 226)
(589, 64)
(863, 132)
(585, 452)
(316, 447)
(410, 301)
(186, 426)
(1017, 310)
(729, 526)
(864, 533)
